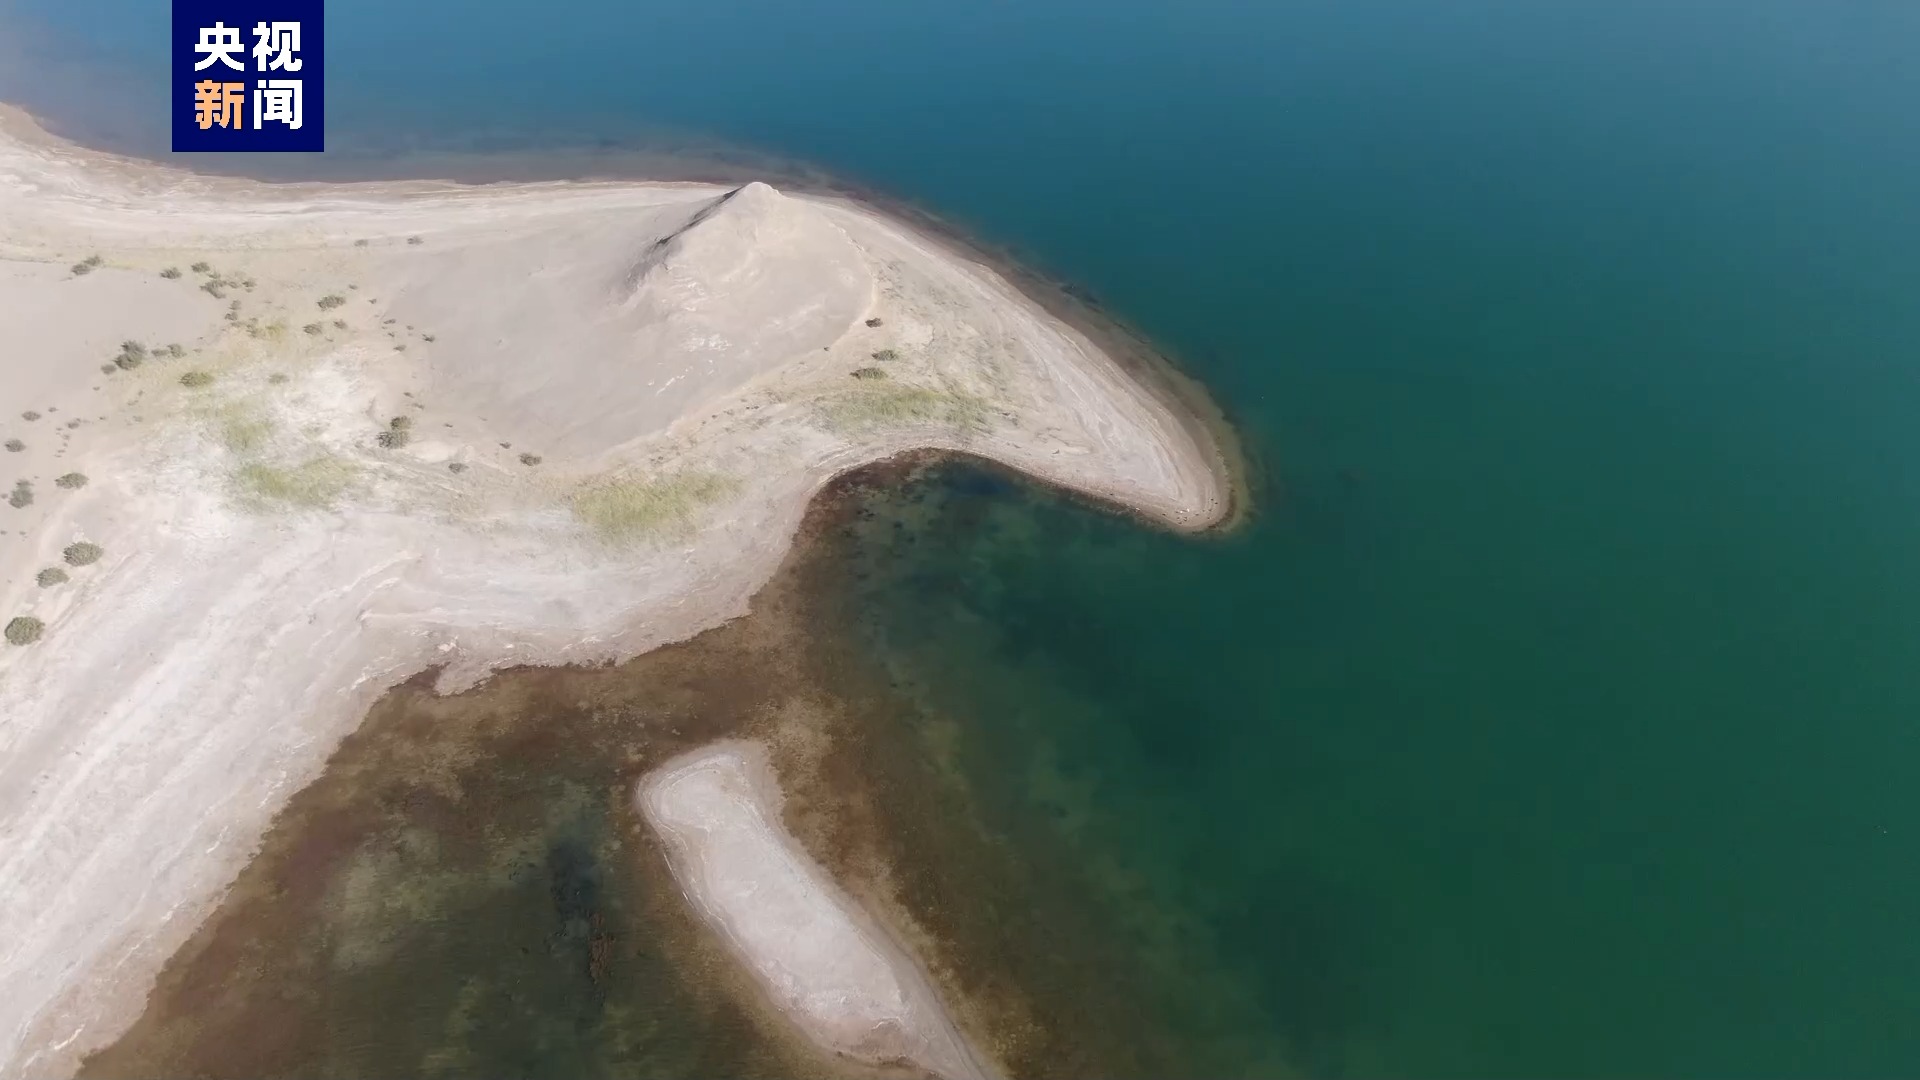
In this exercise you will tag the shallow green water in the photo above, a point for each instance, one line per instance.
(1557, 713)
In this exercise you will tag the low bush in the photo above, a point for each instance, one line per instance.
(82, 553)
(869, 373)
(72, 481)
(170, 273)
(331, 301)
(196, 379)
(14, 446)
(50, 577)
(25, 630)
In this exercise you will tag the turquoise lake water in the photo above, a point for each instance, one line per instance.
(1559, 711)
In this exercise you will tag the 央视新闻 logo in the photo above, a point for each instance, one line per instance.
(247, 75)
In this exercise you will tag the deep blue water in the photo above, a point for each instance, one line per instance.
(1557, 715)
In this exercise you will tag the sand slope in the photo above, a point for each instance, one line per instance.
(677, 361)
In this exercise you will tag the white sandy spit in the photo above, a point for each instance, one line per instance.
(824, 962)
(306, 482)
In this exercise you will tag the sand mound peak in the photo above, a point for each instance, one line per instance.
(606, 337)
(721, 237)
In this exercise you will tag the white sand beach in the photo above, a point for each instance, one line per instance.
(324, 437)
(826, 964)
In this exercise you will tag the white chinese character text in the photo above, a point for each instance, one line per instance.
(277, 100)
(277, 42)
(219, 42)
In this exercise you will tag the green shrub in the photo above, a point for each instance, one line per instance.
(414, 240)
(887, 355)
(875, 321)
(72, 481)
(82, 553)
(392, 438)
(25, 630)
(331, 301)
(21, 496)
(869, 373)
(314, 329)
(400, 423)
(14, 446)
(456, 467)
(530, 459)
(170, 273)
(175, 351)
(50, 577)
(199, 268)
(195, 379)
(214, 289)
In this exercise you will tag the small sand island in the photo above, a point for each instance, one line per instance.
(271, 449)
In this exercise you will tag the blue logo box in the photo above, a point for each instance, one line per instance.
(248, 76)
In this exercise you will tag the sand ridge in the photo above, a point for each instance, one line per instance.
(374, 428)
(823, 960)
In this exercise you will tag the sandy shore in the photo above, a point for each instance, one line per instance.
(823, 961)
(366, 429)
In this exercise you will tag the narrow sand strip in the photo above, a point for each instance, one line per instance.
(326, 436)
(825, 963)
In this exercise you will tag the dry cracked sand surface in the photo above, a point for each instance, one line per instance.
(325, 437)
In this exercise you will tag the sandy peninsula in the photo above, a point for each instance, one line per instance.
(270, 449)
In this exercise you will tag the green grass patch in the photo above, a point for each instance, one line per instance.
(313, 483)
(241, 429)
(877, 407)
(626, 510)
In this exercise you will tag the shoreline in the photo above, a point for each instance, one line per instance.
(400, 568)
(1153, 368)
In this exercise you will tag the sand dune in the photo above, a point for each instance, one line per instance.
(325, 491)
